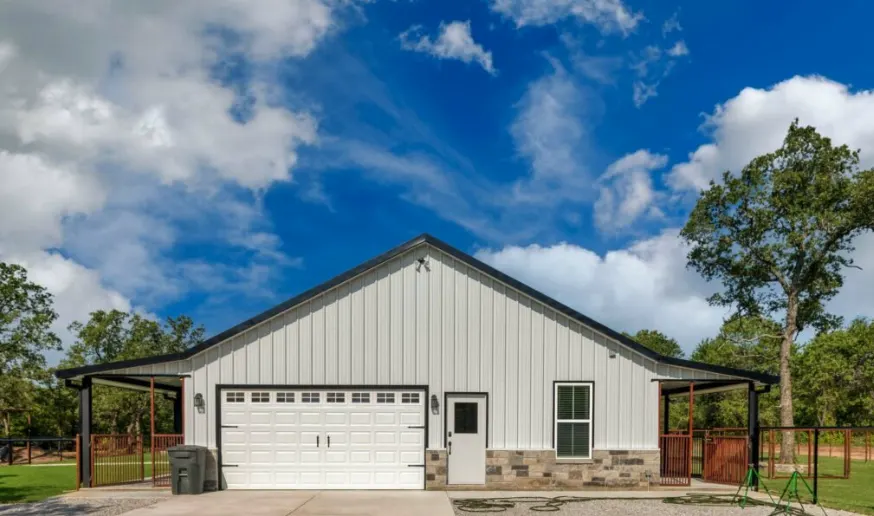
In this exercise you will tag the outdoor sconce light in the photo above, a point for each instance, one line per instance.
(612, 354)
(435, 405)
(198, 402)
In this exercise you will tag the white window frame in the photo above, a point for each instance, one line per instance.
(556, 421)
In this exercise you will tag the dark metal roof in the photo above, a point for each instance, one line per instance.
(397, 251)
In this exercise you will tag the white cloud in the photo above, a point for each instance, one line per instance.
(608, 15)
(642, 92)
(671, 24)
(652, 65)
(118, 144)
(756, 120)
(454, 42)
(550, 133)
(679, 49)
(627, 190)
(645, 285)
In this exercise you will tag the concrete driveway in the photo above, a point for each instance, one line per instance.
(303, 503)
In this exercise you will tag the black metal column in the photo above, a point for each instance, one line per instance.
(85, 420)
(666, 419)
(753, 429)
(177, 413)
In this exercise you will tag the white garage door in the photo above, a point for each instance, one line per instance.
(322, 439)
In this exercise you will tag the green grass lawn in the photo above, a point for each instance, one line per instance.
(855, 494)
(20, 484)
(34, 483)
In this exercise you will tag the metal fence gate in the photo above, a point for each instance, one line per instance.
(116, 459)
(160, 459)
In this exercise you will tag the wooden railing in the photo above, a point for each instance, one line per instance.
(676, 460)
(160, 459)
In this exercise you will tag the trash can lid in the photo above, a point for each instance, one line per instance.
(186, 448)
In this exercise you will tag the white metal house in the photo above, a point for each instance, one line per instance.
(422, 367)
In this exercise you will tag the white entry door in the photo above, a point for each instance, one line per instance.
(322, 439)
(466, 438)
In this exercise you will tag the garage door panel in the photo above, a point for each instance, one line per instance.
(285, 418)
(286, 458)
(310, 457)
(360, 457)
(386, 418)
(361, 419)
(385, 437)
(411, 418)
(336, 457)
(335, 418)
(310, 418)
(234, 418)
(360, 438)
(286, 437)
(283, 444)
(260, 418)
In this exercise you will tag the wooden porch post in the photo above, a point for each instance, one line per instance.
(691, 425)
(152, 425)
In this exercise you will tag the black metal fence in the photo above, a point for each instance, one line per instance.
(30, 450)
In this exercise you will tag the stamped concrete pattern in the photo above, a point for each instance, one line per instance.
(514, 504)
(303, 503)
(63, 506)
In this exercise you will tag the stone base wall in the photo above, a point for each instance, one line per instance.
(539, 469)
(210, 477)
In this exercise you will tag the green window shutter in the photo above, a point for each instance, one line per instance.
(572, 440)
(581, 402)
(565, 402)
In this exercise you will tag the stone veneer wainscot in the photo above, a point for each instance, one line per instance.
(533, 470)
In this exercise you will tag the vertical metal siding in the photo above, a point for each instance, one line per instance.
(454, 329)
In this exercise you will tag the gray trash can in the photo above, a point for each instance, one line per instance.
(187, 467)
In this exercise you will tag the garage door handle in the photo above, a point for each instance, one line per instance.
(420, 427)
(317, 441)
(329, 441)
(230, 426)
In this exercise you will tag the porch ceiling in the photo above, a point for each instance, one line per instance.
(164, 384)
(680, 388)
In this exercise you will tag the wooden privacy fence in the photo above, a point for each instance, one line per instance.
(116, 459)
(161, 459)
(676, 460)
(725, 459)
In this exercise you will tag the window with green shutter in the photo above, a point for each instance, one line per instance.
(573, 420)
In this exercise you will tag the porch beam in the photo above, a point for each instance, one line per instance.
(85, 423)
(753, 429)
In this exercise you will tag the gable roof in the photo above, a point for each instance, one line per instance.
(397, 251)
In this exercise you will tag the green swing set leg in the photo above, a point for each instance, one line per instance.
(748, 483)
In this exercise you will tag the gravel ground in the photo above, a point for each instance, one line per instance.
(635, 508)
(63, 506)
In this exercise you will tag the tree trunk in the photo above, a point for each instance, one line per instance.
(787, 419)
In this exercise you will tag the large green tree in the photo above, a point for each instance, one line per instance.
(836, 377)
(751, 343)
(26, 317)
(779, 235)
(658, 342)
(110, 336)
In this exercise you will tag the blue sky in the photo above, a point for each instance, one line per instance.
(215, 162)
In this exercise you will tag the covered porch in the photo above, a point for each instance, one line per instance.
(107, 459)
(711, 455)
